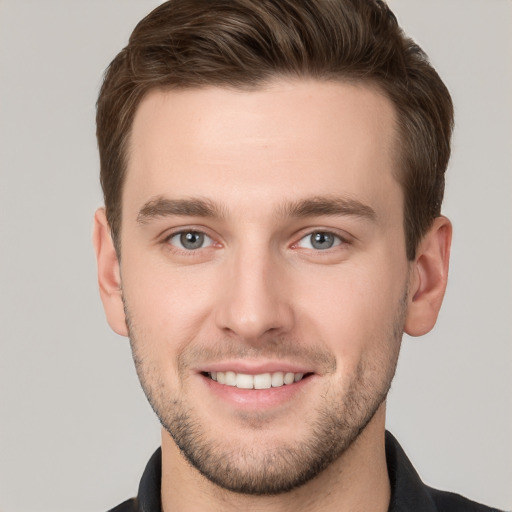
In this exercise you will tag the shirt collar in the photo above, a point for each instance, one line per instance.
(407, 490)
(150, 485)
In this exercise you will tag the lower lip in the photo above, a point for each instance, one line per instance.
(257, 399)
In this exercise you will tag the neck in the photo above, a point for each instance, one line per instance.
(356, 481)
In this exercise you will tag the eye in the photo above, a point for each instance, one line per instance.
(319, 241)
(190, 240)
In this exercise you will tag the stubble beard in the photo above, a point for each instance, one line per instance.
(257, 470)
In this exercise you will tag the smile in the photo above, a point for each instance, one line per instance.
(259, 381)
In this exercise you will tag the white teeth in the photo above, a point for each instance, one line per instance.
(230, 379)
(244, 381)
(263, 381)
(260, 381)
(277, 379)
(289, 378)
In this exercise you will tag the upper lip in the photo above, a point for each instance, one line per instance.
(255, 367)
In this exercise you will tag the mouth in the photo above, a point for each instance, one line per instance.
(259, 381)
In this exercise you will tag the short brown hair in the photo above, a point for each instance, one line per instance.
(245, 43)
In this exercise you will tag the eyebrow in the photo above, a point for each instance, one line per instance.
(164, 207)
(309, 207)
(330, 206)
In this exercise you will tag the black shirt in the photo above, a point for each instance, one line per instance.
(408, 492)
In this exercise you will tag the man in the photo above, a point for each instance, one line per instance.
(273, 173)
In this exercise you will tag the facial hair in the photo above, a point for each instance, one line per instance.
(249, 468)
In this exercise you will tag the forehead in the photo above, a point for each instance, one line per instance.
(279, 142)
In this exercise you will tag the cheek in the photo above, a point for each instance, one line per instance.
(167, 306)
(354, 308)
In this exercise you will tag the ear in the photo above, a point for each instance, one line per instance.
(428, 278)
(109, 275)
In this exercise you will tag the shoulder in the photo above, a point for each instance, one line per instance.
(451, 502)
(127, 506)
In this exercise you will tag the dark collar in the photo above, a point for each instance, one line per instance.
(150, 485)
(408, 492)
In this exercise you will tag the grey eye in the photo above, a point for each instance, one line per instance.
(320, 240)
(190, 240)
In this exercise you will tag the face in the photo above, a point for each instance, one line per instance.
(263, 273)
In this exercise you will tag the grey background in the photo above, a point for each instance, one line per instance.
(75, 429)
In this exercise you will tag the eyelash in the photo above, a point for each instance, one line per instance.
(183, 250)
(339, 240)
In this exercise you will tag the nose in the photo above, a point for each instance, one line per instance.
(254, 299)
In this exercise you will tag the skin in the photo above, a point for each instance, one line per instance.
(257, 294)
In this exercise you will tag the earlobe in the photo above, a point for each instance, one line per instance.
(109, 276)
(428, 278)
